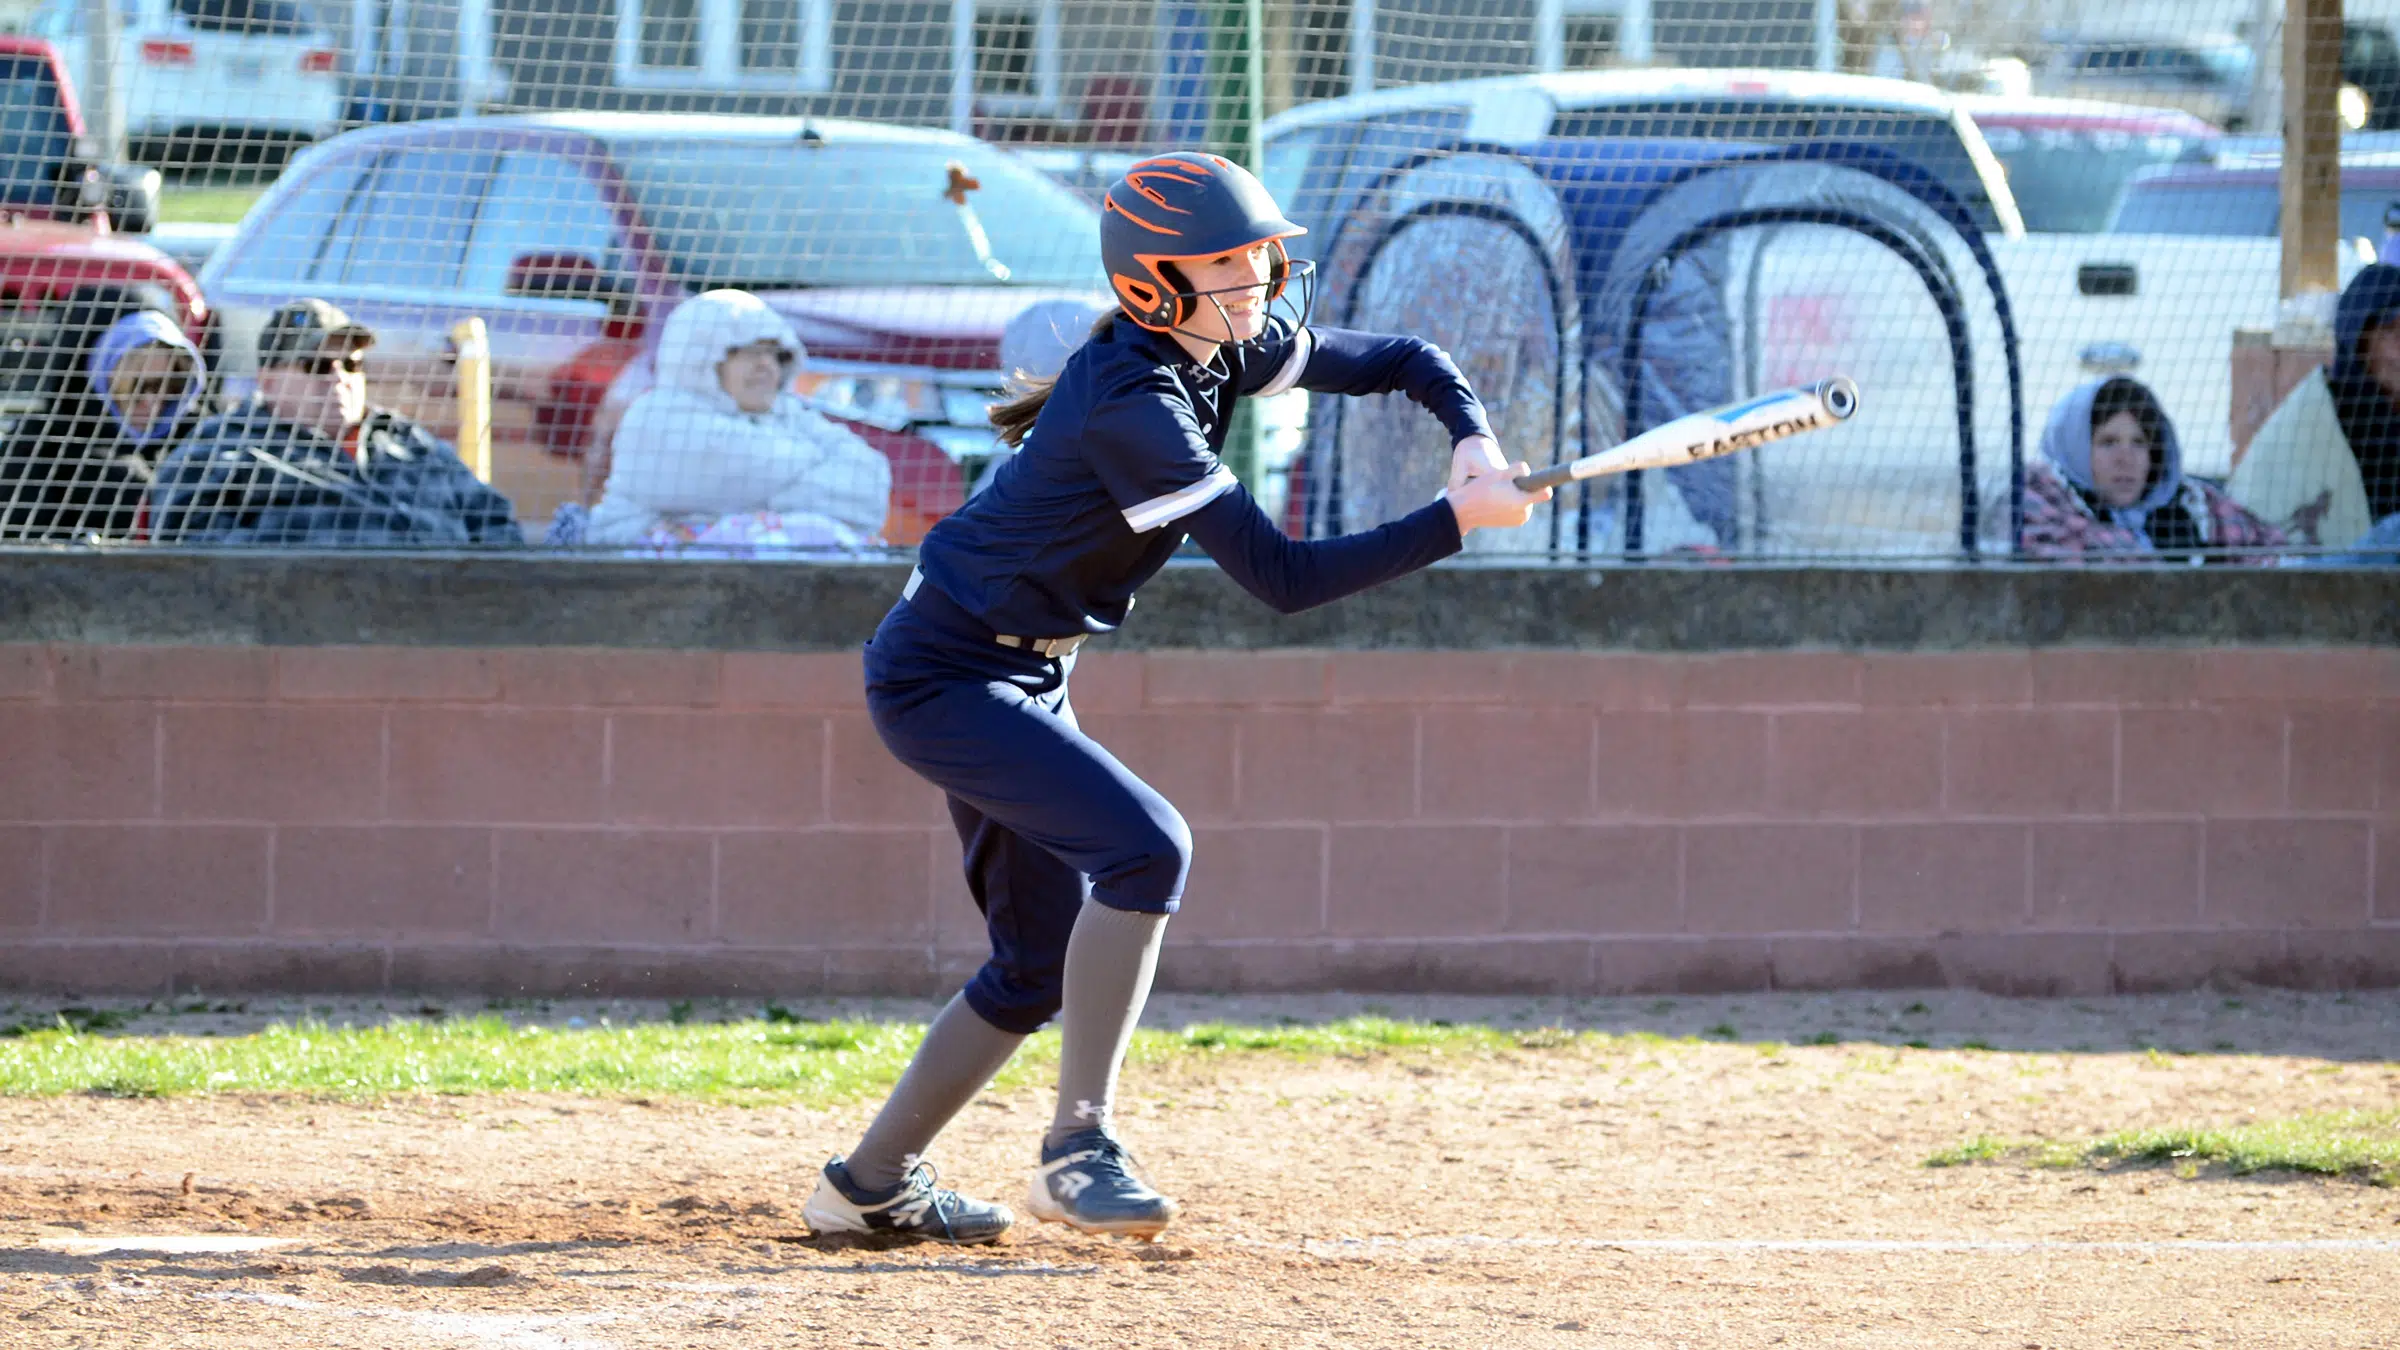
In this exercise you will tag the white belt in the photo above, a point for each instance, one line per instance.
(1049, 647)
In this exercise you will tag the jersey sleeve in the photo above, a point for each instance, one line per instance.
(1145, 445)
(1345, 361)
(1291, 575)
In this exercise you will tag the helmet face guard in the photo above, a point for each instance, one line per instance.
(1189, 207)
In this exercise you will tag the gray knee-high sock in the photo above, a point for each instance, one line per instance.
(959, 1055)
(1111, 957)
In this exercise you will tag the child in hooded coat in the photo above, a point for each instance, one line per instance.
(2074, 509)
(79, 470)
(690, 467)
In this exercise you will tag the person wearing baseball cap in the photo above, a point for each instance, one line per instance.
(306, 461)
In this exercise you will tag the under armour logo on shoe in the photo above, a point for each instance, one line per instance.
(1073, 1184)
(1097, 1111)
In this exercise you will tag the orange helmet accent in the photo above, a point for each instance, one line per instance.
(1177, 208)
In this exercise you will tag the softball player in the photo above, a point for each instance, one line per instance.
(1074, 861)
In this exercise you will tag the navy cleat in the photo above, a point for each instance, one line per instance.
(1086, 1182)
(916, 1208)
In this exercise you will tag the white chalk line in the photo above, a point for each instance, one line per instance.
(1367, 1248)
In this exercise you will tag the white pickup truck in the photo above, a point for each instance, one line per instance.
(1805, 301)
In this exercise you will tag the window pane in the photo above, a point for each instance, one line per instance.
(290, 242)
(1591, 41)
(770, 34)
(539, 204)
(414, 232)
(255, 18)
(671, 34)
(1320, 50)
(1004, 53)
(33, 133)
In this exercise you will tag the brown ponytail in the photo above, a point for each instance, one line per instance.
(1014, 416)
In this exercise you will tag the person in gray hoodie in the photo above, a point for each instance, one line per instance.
(77, 471)
(2111, 485)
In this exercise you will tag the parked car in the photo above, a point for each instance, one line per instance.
(48, 166)
(2205, 74)
(2371, 62)
(2067, 159)
(2246, 199)
(213, 79)
(898, 254)
(57, 245)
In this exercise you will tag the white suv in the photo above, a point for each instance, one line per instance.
(197, 70)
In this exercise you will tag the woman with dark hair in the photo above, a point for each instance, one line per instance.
(126, 386)
(2114, 486)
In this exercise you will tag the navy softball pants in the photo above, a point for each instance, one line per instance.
(1045, 815)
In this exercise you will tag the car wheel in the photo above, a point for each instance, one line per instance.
(1474, 286)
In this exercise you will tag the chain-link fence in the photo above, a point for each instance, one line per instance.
(2043, 239)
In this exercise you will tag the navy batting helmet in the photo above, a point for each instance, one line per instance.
(1181, 207)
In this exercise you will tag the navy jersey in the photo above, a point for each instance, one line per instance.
(1122, 464)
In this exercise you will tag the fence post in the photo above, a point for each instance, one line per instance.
(2312, 147)
(103, 92)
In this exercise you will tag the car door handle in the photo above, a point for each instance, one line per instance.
(2108, 279)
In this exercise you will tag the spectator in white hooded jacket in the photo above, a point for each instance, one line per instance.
(720, 456)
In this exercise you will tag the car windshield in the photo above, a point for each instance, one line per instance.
(2066, 179)
(815, 214)
(33, 132)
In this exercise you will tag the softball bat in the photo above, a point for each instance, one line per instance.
(1717, 431)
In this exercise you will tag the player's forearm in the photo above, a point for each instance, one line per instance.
(1347, 362)
(1291, 575)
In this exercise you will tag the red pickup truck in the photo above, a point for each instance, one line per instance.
(57, 243)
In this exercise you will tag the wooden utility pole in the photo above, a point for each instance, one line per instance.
(2312, 146)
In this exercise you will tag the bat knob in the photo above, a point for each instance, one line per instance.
(1839, 396)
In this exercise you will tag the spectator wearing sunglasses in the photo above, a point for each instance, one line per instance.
(719, 456)
(305, 461)
(77, 471)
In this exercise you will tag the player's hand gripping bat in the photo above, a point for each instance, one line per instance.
(1718, 431)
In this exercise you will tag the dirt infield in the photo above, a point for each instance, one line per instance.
(1751, 1191)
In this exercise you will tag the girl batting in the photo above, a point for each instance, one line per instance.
(1075, 862)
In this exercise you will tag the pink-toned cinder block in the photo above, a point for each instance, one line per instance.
(1943, 877)
(1754, 879)
(1106, 681)
(24, 670)
(823, 681)
(1418, 677)
(2291, 675)
(1415, 881)
(1773, 680)
(2340, 960)
(166, 673)
(20, 878)
(2387, 872)
(1856, 765)
(2036, 762)
(2169, 962)
(272, 763)
(79, 761)
(1716, 765)
(1995, 679)
(97, 966)
(2287, 873)
(2027, 965)
(2114, 676)
(1857, 962)
(387, 674)
(1698, 965)
(1188, 756)
(1614, 680)
(866, 786)
(1255, 882)
(154, 880)
(1327, 765)
(589, 677)
(1507, 764)
(2116, 874)
(1235, 679)
(604, 886)
(2334, 757)
(1595, 879)
(2214, 760)
(216, 966)
(716, 768)
(360, 881)
(825, 888)
(496, 766)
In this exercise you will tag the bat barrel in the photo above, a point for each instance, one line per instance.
(1840, 397)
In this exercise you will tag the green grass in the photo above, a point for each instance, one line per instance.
(778, 1058)
(206, 205)
(2364, 1145)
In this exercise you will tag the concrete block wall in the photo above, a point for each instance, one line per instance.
(539, 820)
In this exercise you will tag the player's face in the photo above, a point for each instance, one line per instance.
(2120, 460)
(1239, 280)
